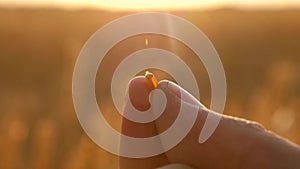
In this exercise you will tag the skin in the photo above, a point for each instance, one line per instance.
(236, 143)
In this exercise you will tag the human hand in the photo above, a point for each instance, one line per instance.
(236, 143)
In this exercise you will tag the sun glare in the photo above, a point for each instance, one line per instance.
(146, 5)
(119, 4)
(153, 4)
(158, 4)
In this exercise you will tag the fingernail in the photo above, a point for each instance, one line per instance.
(183, 94)
(175, 88)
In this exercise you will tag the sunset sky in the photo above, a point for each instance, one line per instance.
(154, 4)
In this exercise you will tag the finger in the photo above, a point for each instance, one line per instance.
(223, 149)
(181, 93)
(138, 91)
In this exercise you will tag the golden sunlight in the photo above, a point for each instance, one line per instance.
(153, 4)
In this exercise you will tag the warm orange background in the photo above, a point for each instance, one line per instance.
(260, 51)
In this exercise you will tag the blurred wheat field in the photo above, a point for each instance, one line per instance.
(260, 51)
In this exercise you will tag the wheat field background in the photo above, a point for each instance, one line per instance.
(260, 51)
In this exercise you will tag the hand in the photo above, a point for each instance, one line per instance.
(236, 143)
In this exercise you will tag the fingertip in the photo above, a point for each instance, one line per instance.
(179, 92)
(138, 91)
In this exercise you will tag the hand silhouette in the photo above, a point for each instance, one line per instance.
(236, 143)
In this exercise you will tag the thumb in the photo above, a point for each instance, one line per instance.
(226, 148)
